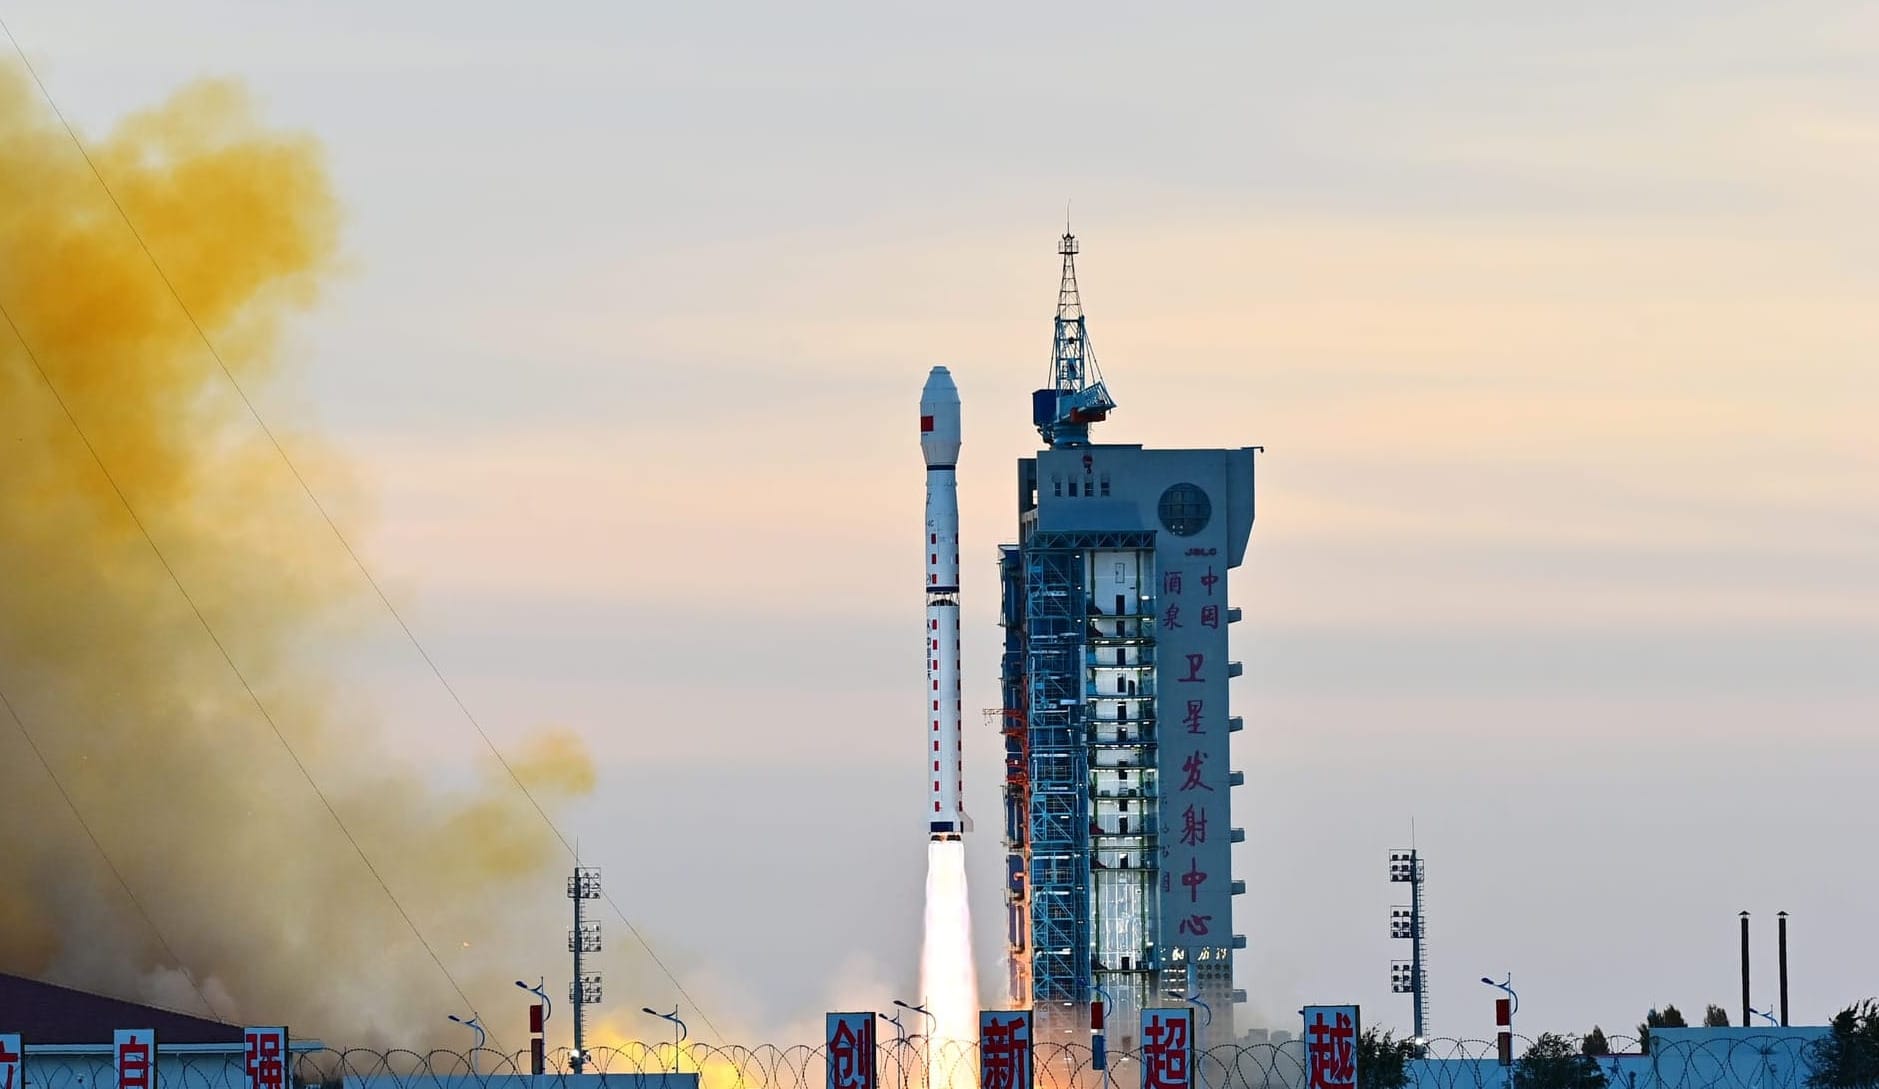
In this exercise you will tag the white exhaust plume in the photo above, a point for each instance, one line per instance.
(947, 977)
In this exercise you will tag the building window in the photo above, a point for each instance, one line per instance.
(1103, 481)
(1073, 489)
(1185, 510)
(1056, 486)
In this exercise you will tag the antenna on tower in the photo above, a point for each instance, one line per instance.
(1075, 397)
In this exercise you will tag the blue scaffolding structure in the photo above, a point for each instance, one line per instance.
(1059, 810)
(1050, 823)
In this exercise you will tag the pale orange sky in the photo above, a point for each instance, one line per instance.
(1556, 326)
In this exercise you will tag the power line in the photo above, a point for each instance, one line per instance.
(333, 526)
(78, 815)
(202, 619)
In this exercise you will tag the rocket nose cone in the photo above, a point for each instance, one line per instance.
(939, 418)
(939, 386)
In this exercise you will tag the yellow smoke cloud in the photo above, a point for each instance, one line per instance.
(172, 766)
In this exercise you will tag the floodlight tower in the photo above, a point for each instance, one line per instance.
(1406, 923)
(1076, 397)
(584, 988)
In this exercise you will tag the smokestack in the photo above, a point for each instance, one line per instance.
(1781, 945)
(1745, 967)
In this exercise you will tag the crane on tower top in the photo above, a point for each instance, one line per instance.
(1076, 397)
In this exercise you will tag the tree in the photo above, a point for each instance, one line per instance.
(1382, 1060)
(1715, 1017)
(1848, 1056)
(1668, 1017)
(1552, 1063)
(1595, 1043)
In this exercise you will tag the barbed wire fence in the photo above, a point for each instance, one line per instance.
(1773, 1061)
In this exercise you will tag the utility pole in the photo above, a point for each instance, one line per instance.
(584, 989)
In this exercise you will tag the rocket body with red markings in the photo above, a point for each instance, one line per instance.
(939, 444)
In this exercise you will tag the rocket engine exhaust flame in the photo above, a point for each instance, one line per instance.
(947, 978)
(134, 709)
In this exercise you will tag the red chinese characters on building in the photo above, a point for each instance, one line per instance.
(1331, 1047)
(1193, 765)
(1167, 1049)
(1005, 1049)
(1193, 827)
(265, 1057)
(1195, 663)
(1196, 925)
(1192, 719)
(136, 1053)
(850, 1050)
(1193, 879)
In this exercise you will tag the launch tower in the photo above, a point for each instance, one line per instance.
(1116, 717)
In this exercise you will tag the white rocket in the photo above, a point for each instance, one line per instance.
(939, 442)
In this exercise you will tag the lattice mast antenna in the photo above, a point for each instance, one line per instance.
(1075, 397)
(584, 988)
(1411, 977)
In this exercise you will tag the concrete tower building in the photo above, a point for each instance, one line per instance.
(1118, 780)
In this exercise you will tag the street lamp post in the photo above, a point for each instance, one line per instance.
(931, 1027)
(474, 1026)
(1200, 1060)
(1513, 1007)
(679, 1039)
(1108, 1001)
(900, 1044)
(538, 1031)
(540, 990)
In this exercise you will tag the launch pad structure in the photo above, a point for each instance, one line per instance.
(1115, 718)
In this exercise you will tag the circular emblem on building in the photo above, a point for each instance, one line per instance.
(1185, 510)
